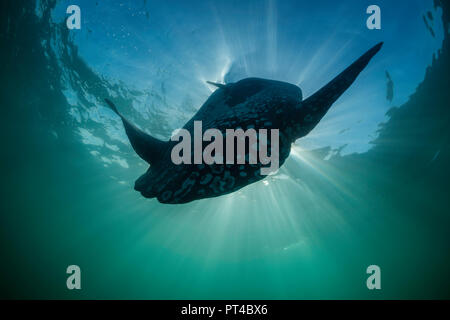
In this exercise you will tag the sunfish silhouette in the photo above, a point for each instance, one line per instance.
(248, 103)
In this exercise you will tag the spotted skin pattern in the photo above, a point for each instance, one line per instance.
(249, 103)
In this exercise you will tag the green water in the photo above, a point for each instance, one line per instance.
(309, 233)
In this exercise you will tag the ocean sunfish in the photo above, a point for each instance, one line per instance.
(249, 103)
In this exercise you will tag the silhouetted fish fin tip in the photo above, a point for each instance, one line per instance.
(146, 146)
(219, 85)
(112, 106)
(321, 101)
(374, 50)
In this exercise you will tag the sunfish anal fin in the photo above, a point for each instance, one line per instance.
(147, 147)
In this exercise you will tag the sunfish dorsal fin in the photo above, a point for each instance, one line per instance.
(321, 101)
(218, 85)
(147, 147)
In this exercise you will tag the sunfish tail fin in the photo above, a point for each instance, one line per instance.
(147, 147)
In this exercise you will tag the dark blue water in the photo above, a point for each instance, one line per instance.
(369, 185)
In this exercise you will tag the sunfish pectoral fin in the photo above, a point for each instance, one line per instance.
(319, 103)
(147, 147)
(218, 85)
